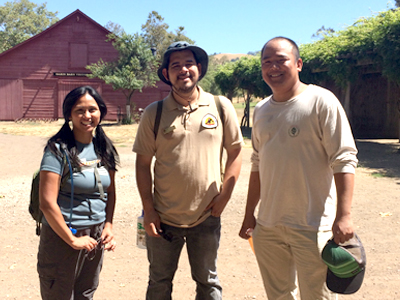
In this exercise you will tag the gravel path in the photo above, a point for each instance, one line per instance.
(376, 214)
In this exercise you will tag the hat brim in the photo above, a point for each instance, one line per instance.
(344, 285)
(201, 58)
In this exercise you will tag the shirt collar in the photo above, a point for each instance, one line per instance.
(171, 104)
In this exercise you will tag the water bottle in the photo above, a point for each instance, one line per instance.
(141, 232)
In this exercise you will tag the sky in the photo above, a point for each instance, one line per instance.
(235, 26)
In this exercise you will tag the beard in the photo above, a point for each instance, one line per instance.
(185, 88)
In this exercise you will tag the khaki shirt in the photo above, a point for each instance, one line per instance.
(187, 152)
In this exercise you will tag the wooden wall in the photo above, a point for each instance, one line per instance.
(373, 105)
(36, 75)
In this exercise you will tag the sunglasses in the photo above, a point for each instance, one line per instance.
(178, 45)
(166, 235)
(92, 253)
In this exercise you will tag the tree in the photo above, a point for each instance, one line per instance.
(340, 56)
(243, 75)
(208, 82)
(397, 3)
(134, 69)
(225, 80)
(155, 33)
(323, 32)
(115, 28)
(20, 20)
(249, 79)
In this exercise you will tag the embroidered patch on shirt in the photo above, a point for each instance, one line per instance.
(209, 121)
(294, 131)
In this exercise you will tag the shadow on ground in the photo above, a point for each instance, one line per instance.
(385, 157)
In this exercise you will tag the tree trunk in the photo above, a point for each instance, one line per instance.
(128, 111)
(246, 118)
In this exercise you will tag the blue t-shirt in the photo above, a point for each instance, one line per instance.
(88, 208)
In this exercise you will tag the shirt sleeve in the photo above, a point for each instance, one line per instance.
(51, 163)
(145, 143)
(255, 144)
(337, 136)
(232, 134)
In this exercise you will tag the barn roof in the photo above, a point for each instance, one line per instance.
(72, 15)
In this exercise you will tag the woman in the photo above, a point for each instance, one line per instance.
(77, 230)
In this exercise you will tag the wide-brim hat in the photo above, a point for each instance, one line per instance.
(346, 265)
(200, 56)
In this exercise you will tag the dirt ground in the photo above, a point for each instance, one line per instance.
(376, 213)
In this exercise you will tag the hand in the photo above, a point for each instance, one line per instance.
(217, 205)
(249, 223)
(107, 238)
(84, 242)
(342, 229)
(110, 246)
(152, 223)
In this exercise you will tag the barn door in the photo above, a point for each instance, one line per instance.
(10, 99)
(39, 100)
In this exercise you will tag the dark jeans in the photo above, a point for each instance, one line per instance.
(65, 273)
(202, 242)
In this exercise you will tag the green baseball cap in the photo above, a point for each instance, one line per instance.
(346, 265)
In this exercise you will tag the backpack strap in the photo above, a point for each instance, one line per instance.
(220, 111)
(222, 117)
(99, 184)
(65, 168)
(158, 118)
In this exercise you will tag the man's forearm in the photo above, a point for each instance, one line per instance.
(232, 171)
(344, 189)
(253, 193)
(144, 182)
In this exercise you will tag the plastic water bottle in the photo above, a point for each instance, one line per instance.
(141, 232)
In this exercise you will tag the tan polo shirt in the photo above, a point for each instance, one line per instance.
(187, 151)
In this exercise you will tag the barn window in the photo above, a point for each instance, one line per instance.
(78, 55)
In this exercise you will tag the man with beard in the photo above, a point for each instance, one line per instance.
(186, 133)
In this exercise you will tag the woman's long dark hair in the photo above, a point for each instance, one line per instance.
(103, 146)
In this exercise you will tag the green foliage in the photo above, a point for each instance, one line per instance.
(225, 80)
(242, 75)
(208, 83)
(374, 40)
(20, 20)
(115, 28)
(134, 69)
(155, 33)
(248, 73)
(323, 32)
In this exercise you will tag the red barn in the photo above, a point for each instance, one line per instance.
(36, 74)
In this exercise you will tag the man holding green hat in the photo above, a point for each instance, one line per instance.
(346, 265)
(186, 133)
(302, 176)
